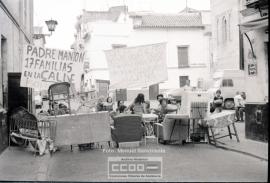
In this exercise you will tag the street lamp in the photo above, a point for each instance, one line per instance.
(51, 24)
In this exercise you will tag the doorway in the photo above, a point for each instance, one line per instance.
(3, 95)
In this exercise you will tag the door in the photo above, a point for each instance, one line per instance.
(121, 94)
(183, 80)
(256, 125)
(3, 94)
(153, 92)
(102, 88)
(18, 96)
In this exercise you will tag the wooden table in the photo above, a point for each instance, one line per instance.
(178, 118)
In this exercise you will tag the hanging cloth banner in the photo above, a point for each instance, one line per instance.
(42, 67)
(137, 67)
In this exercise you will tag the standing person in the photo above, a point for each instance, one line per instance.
(242, 106)
(237, 100)
(138, 106)
(187, 87)
(218, 101)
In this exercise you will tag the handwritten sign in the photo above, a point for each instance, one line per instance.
(42, 67)
(140, 66)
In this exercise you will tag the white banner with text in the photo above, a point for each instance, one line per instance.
(135, 67)
(42, 67)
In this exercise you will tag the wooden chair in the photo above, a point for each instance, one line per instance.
(59, 92)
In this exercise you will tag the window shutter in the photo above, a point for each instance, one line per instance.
(182, 57)
(153, 92)
(121, 94)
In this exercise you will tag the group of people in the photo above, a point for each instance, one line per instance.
(239, 104)
(138, 106)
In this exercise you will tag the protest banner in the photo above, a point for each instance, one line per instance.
(42, 67)
(135, 67)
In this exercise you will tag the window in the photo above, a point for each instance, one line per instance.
(227, 83)
(121, 94)
(217, 31)
(224, 29)
(182, 56)
(183, 80)
(229, 27)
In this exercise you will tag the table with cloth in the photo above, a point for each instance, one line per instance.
(220, 120)
(225, 119)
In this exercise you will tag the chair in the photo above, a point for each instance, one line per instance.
(194, 106)
(169, 130)
(127, 128)
(59, 92)
(24, 128)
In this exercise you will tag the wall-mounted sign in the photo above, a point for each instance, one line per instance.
(252, 69)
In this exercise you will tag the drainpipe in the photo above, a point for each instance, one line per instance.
(253, 54)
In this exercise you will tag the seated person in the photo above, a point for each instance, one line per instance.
(120, 106)
(108, 105)
(159, 97)
(138, 106)
(164, 109)
(218, 102)
(122, 109)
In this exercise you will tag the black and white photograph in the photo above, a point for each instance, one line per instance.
(134, 90)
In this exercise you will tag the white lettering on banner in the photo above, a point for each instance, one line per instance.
(137, 66)
(42, 67)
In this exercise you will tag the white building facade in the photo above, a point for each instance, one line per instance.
(254, 28)
(226, 38)
(187, 35)
(16, 28)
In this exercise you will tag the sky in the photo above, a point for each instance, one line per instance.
(67, 11)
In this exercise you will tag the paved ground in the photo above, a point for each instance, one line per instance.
(246, 146)
(192, 162)
(248, 162)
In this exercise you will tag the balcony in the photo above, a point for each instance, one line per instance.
(255, 6)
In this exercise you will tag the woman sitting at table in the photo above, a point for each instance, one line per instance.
(164, 109)
(138, 106)
(108, 105)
